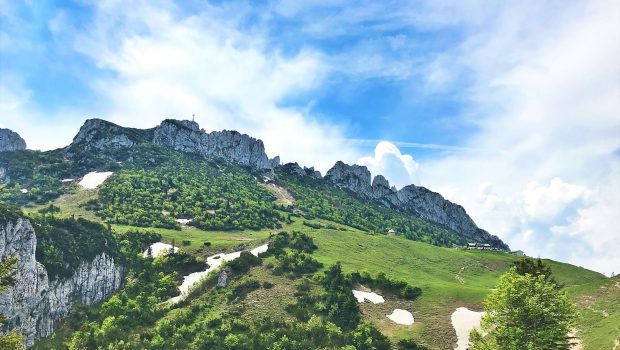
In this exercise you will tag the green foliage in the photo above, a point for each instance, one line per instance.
(387, 285)
(39, 172)
(139, 304)
(8, 213)
(214, 197)
(242, 289)
(408, 344)
(535, 268)
(179, 262)
(12, 340)
(244, 262)
(334, 301)
(318, 199)
(292, 253)
(525, 312)
(296, 263)
(63, 244)
(50, 209)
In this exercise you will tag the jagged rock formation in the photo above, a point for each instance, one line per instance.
(181, 135)
(229, 145)
(296, 169)
(11, 141)
(97, 134)
(34, 304)
(413, 199)
(353, 177)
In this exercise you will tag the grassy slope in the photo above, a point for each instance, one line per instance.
(599, 315)
(434, 269)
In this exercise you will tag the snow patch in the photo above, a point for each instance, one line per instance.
(372, 297)
(93, 179)
(184, 221)
(160, 248)
(24, 190)
(463, 321)
(67, 180)
(401, 316)
(214, 262)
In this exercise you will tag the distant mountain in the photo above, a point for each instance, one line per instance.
(109, 228)
(100, 142)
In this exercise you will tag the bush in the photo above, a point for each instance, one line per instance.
(243, 289)
(408, 344)
(186, 243)
(245, 261)
(387, 285)
(296, 263)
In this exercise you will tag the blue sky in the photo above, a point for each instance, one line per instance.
(509, 108)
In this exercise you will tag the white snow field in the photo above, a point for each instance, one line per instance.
(93, 179)
(463, 321)
(370, 296)
(401, 316)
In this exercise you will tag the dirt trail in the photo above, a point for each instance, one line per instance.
(282, 195)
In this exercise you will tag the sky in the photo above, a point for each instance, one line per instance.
(509, 108)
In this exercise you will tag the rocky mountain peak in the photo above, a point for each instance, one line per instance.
(352, 177)
(228, 145)
(412, 199)
(98, 134)
(11, 141)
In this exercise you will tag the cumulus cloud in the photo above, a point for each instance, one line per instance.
(400, 169)
(155, 61)
(548, 202)
(551, 106)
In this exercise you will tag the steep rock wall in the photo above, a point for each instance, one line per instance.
(34, 304)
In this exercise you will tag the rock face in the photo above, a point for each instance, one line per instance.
(11, 141)
(353, 177)
(34, 304)
(97, 134)
(413, 199)
(228, 145)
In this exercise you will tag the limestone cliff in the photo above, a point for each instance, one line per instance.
(34, 304)
(11, 141)
(413, 199)
(181, 135)
(228, 145)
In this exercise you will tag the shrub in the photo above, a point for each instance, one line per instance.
(245, 261)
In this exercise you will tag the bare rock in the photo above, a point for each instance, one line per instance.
(228, 145)
(11, 141)
(34, 304)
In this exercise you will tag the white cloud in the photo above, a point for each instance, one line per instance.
(548, 202)
(400, 169)
(544, 91)
(156, 62)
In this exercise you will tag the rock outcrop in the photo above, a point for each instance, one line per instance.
(34, 304)
(97, 134)
(412, 199)
(181, 135)
(11, 141)
(228, 145)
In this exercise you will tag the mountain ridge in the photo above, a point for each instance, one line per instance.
(241, 149)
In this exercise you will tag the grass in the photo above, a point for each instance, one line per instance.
(70, 204)
(221, 241)
(435, 270)
(448, 277)
(599, 316)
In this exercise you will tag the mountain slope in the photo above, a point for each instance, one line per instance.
(35, 178)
